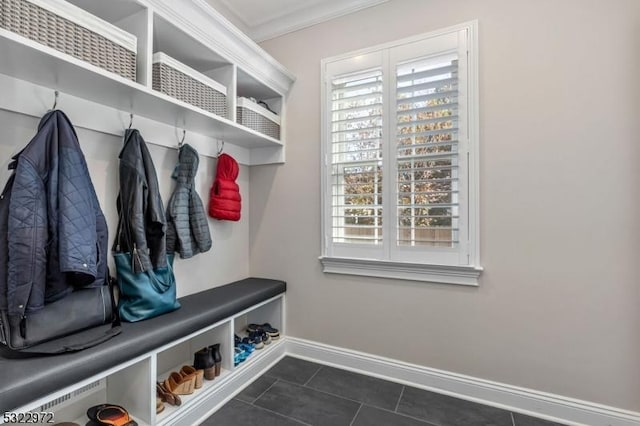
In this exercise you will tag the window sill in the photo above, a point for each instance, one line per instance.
(443, 274)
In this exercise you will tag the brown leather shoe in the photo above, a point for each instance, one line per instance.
(167, 396)
(159, 405)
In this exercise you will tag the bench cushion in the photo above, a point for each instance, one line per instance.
(27, 379)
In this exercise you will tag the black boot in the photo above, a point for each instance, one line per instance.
(203, 360)
(217, 357)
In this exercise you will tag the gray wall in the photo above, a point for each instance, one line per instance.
(227, 261)
(557, 309)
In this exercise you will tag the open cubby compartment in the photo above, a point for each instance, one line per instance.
(128, 387)
(270, 311)
(131, 16)
(250, 87)
(180, 353)
(182, 47)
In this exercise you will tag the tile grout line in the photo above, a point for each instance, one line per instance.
(324, 392)
(356, 415)
(359, 402)
(421, 420)
(513, 419)
(309, 388)
(278, 414)
(311, 378)
(338, 396)
(265, 391)
(395, 410)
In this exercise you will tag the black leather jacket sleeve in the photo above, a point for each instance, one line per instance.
(144, 224)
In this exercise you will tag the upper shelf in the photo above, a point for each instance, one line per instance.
(28, 60)
(171, 40)
(111, 11)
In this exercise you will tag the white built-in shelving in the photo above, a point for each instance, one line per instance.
(133, 384)
(189, 31)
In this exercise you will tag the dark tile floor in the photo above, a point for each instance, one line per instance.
(298, 392)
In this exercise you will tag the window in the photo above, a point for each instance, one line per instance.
(400, 174)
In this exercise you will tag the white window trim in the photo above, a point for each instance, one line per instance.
(445, 274)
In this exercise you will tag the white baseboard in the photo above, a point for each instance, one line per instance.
(526, 401)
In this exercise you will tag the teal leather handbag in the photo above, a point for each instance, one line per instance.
(146, 294)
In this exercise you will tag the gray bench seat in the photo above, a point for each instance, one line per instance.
(26, 380)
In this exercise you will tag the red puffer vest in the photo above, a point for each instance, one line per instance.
(224, 200)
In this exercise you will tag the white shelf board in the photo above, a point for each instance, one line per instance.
(170, 412)
(248, 86)
(257, 354)
(31, 61)
(111, 11)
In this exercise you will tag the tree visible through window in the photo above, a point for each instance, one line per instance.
(357, 158)
(427, 118)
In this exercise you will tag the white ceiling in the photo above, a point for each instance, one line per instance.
(262, 20)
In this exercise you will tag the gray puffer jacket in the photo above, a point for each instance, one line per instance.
(187, 226)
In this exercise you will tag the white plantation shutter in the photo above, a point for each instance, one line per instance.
(427, 118)
(400, 156)
(356, 158)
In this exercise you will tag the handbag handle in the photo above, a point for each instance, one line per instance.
(123, 224)
(117, 244)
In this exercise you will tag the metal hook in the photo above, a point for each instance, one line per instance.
(220, 149)
(184, 134)
(130, 120)
(55, 101)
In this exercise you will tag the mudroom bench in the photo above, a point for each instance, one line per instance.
(125, 369)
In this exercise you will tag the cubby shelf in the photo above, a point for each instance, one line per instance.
(257, 355)
(209, 386)
(169, 414)
(192, 33)
(31, 61)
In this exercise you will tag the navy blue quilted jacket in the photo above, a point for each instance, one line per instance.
(57, 234)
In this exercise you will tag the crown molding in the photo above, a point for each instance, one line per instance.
(303, 18)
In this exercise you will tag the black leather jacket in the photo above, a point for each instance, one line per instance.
(143, 226)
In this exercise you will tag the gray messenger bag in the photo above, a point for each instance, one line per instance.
(82, 319)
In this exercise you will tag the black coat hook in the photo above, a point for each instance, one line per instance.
(55, 100)
(184, 134)
(130, 120)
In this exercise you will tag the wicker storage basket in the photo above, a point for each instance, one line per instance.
(258, 118)
(65, 27)
(188, 85)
